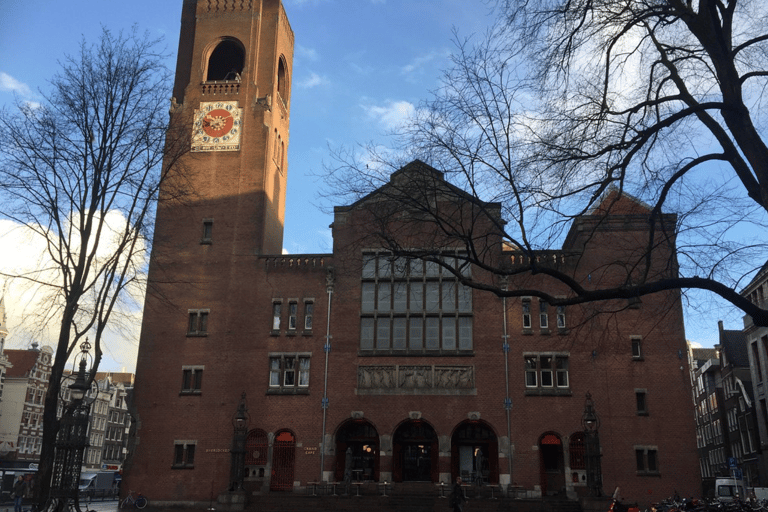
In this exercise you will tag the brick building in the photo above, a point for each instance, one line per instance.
(362, 362)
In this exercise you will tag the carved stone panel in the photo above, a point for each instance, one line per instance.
(412, 379)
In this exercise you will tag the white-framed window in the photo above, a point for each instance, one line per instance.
(543, 314)
(414, 306)
(546, 373)
(277, 309)
(526, 309)
(293, 312)
(191, 379)
(637, 348)
(198, 322)
(309, 311)
(184, 454)
(561, 325)
(289, 373)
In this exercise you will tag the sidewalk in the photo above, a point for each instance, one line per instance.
(98, 506)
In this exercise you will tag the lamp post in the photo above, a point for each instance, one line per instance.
(72, 438)
(240, 424)
(591, 424)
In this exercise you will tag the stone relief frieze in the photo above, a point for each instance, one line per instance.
(415, 378)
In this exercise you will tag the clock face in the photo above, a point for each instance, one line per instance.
(217, 126)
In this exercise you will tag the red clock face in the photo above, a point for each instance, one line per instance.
(218, 122)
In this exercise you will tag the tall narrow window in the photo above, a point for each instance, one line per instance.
(277, 308)
(207, 237)
(561, 317)
(526, 304)
(641, 402)
(637, 352)
(293, 311)
(543, 315)
(309, 308)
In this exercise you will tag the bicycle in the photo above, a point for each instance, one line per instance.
(139, 501)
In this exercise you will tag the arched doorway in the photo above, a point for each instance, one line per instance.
(552, 466)
(362, 440)
(283, 461)
(256, 445)
(415, 452)
(475, 453)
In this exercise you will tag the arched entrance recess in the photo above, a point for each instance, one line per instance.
(256, 444)
(226, 61)
(283, 461)
(415, 452)
(552, 464)
(475, 453)
(362, 439)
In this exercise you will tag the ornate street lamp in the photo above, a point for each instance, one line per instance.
(591, 424)
(240, 424)
(72, 438)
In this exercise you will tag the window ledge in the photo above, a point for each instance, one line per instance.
(290, 333)
(638, 358)
(649, 473)
(197, 334)
(644, 413)
(288, 391)
(414, 353)
(527, 332)
(206, 241)
(274, 332)
(548, 392)
(562, 331)
(544, 331)
(183, 466)
(306, 332)
(192, 392)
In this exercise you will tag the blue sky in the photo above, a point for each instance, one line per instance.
(359, 67)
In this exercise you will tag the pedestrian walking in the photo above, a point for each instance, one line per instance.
(19, 488)
(457, 496)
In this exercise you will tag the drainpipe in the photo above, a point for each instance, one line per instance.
(327, 350)
(507, 399)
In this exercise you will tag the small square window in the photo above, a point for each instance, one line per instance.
(184, 455)
(288, 374)
(198, 322)
(191, 380)
(647, 461)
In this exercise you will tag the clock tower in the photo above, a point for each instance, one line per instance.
(220, 214)
(232, 94)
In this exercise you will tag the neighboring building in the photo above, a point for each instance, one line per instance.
(704, 364)
(757, 340)
(427, 379)
(4, 365)
(21, 422)
(118, 420)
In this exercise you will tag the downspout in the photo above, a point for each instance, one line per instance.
(327, 350)
(507, 399)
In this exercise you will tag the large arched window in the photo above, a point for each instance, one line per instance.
(226, 61)
(282, 79)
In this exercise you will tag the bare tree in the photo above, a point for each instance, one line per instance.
(564, 101)
(81, 172)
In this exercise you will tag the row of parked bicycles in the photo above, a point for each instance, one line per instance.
(677, 504)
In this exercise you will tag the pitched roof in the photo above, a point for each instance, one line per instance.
(22, 361)
(618, 202)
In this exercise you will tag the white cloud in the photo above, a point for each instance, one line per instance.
(307, 53)
(420, 61)
(10, 84)
(393, 115)
(313, 80)
(33, 309)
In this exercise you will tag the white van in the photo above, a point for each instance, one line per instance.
(730, 489)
